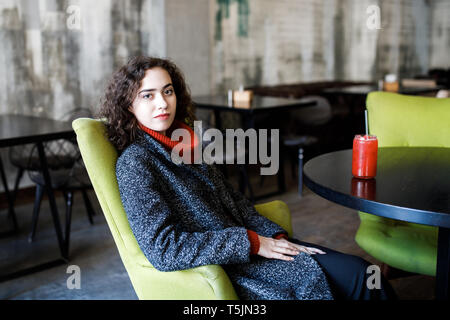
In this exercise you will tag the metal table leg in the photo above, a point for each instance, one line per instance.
(51, 198)
(9, 198)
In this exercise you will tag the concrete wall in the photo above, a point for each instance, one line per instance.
(440, 30)
(50, 63)
(188, 42)
(58, 54)
(288, 41)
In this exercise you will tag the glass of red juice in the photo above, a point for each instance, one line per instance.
(365, 153)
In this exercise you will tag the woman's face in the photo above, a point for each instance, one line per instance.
(155, 103)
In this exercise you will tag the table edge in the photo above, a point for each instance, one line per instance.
(252, 110)
(425, 217)
(37, 138)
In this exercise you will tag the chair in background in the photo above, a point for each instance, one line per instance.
(294, 137)
(66, 171)
(205, 282)
(244, 181)
(400, 120)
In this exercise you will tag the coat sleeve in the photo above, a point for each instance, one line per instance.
(153, 224)
(251, 218)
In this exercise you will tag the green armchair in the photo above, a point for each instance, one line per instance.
(400, 120)
(205, 282)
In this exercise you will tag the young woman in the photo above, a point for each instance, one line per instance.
(188, 215)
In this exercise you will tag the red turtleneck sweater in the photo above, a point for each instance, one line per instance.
(170, 144)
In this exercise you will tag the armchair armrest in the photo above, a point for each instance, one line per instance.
(278, 212)
(209, 282)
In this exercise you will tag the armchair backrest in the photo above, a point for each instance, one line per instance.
(100, 157)
(403, 120)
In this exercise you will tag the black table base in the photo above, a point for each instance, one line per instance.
(11, 212)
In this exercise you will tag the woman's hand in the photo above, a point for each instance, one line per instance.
(308, 250)
(282, 249)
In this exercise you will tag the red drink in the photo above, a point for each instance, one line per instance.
(364, 160)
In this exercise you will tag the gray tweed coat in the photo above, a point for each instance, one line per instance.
(184, 216)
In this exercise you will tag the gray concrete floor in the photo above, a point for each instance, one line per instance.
(103, 275)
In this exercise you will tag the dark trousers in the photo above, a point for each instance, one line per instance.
(347, 275)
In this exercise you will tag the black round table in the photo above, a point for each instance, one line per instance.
(412, 184)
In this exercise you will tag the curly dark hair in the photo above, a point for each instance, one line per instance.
(122, 126)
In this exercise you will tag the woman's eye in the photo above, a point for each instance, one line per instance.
(168, 92)
(147, 96)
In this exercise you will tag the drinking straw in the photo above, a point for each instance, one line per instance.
(367, 124)
(230, 98)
